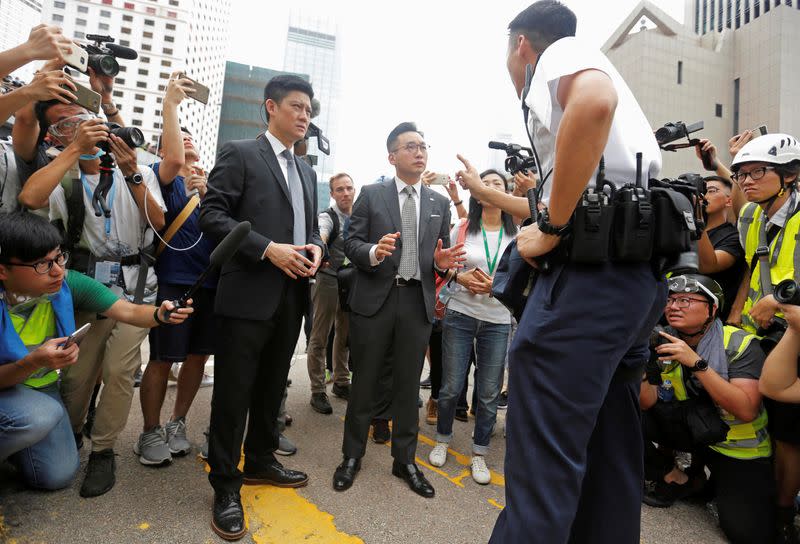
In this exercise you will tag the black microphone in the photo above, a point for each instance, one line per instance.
(122, 52)
(221, 255)
(497, 145)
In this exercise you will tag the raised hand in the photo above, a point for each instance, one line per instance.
(452, 257)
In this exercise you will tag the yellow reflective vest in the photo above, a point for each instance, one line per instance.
(745, 440)
(34, 331)
(784, 256)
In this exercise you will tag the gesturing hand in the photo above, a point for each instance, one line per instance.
(469, 178)
(452, 257)
(676, 350)
(386, 245)
(288, 258)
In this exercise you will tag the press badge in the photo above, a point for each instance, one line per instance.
(107, 272)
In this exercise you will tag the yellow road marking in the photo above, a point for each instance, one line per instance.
(461, 459)
(275, 514)
(144, 526)
(495, 504)
(439, 472)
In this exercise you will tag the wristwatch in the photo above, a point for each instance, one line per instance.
(699, 366)
(547, 228)
(136, 178)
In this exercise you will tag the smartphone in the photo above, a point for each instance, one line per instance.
(77, 336)
(85, 96)
(200, 91)
(78, 58)
(191, 192)
(762, 130)
(441, 179)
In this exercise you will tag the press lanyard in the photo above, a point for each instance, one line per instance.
(109, 200)
(490, 262)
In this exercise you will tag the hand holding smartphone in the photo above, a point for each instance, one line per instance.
(77, 336)
(200, 92)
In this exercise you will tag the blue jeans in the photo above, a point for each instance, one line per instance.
(460, 333)
(36, 436)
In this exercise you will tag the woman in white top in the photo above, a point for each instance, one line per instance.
(474, 318)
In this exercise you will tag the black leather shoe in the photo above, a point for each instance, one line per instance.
(346, 473)
(414, 478)
(275, 474)
(380, 431)
(227, 519)
(341, 391)
(320, 403)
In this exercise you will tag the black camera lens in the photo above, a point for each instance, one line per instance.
(104, 65)
(132, 136)
(787, 292)
(668, 133)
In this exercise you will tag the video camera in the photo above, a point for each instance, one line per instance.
(675, 131)
(518, 158)
(103, 54)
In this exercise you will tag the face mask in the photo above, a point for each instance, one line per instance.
(85, 157)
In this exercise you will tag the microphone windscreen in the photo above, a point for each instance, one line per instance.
(497, 145)
(228, 246)
(122, 52)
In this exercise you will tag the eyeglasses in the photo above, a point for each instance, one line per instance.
(683, 302)
(755, 174)
(44, 266)
(413, 147)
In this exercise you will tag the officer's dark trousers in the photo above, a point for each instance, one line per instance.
(573, 466)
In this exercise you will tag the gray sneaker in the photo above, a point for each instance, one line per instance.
(152, 447)
(176, 437)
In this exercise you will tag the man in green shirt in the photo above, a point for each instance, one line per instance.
(38, 298)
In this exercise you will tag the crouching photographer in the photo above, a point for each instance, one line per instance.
(105, 203)
(38, 298)
(702, 396)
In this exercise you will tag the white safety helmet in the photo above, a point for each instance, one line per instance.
(770, 148)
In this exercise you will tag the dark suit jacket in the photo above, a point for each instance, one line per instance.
(376, 213)
(247, 184)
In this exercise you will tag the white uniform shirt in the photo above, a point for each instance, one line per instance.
(630, 131)
(127, 225)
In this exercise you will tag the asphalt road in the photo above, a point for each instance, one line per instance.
(173, 503)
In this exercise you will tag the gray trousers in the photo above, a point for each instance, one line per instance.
(327, 313)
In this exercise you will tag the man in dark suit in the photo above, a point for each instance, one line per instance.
(262, 295)
(399, 232)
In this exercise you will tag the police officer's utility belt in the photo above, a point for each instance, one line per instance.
(628, 223)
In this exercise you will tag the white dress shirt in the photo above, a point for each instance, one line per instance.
(401, 199)
(278, 148)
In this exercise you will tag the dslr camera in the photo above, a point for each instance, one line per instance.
(132, 136)
(786, 292)
(518, 158)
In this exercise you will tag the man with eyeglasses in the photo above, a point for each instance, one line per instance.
(766, 170)
(704, 371)
(109, 250)
(398, 239)
(38, 298)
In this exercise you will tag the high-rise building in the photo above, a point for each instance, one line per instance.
(242, 115)
(732, 65)
(17, 17)
(312, 47)
(169, 35)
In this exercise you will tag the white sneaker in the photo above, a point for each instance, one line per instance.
(438, 455)
(480, 472)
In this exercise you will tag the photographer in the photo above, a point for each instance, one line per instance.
(37, 299)
(720, 254)
(707, 374)
(572, 412)
(181, 260)
(110, 249)
(766, 170)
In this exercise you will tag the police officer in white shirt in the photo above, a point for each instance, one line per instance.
(574, 445)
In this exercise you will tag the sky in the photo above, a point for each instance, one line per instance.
(440, 63)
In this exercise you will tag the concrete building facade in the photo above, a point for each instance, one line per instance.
(730, 65)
